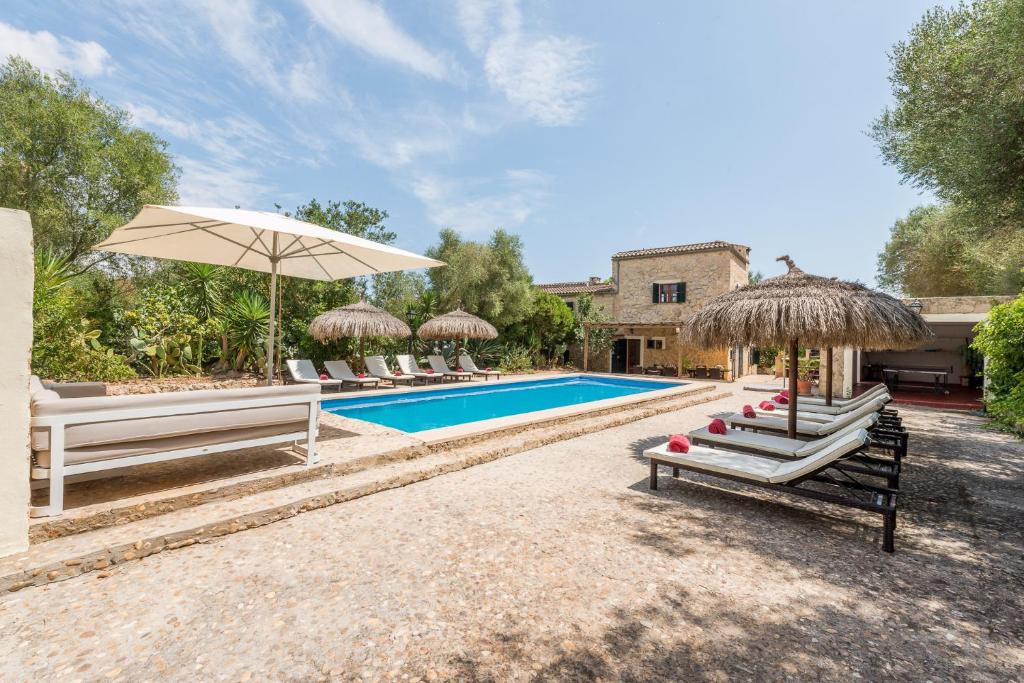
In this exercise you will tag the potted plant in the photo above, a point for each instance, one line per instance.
(807, 370)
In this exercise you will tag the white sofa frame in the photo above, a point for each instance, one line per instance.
(58, 473)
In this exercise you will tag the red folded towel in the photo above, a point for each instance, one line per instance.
(398, 373)
(784, 392)
(430, 371)
(361, 375)
(323, 375)
(717, 426)
(487, 369)
(748, 411)
(459, 369)
(779, 398)
(766, 405)
(678, 443)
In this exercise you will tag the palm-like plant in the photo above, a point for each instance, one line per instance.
(52, 271)
(204, 284)
(245, 324)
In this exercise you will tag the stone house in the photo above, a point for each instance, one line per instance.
(647, 300)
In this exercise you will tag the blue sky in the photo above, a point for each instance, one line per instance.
(587, 128)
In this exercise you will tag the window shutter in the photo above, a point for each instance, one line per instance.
(682, 292)
(654, 293)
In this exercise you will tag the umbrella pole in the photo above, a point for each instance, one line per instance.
(794, 348)
(362, 352)
(273, 309)
(828, 376)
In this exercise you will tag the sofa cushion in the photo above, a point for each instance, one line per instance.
(203, 421)
(73, 456)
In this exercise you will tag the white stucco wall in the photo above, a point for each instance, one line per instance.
(15, 353)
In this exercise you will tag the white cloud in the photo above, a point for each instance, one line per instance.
(367, 26)
(398, 140)
(52, 53)
(229, 139)
(213, 183)
(251, 37)
(455, 204)
(546, 76)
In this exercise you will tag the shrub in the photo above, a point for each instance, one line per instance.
(516, 358)
(65, 346)
(1000, 338)
(161, 333)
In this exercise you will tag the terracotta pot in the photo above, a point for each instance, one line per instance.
(803, 387)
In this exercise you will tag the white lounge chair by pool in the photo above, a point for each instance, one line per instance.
(813, 428)
(407, 363)
(304, 372)
(467, 364)
(339, 370)
(790, 476)
(378, 367)
(438, 364)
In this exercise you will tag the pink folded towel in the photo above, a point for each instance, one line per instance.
(779, 398)
(323, 375)
(766, 405)
(430, 371)
(748, 411)
(784, 392)
(361, 375)
(459, 369)
(717, 426)
(487, 369)
(678, 443)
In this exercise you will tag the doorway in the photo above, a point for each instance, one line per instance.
(627, 353)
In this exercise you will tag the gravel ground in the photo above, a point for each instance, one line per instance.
(560, 564)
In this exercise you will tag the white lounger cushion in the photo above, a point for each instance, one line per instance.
(304, 371)
(759, 468)
(438, 365)
(341, 372)
(808, 427)
(874, 391)
(467, 363)
(804, 406)
(409, 367)
(378, 367)
(779, 445)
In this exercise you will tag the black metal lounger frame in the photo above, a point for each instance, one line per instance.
(859, 495)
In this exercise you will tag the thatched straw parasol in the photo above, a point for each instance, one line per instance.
(357, 320)
(457, 325)
(798, 307)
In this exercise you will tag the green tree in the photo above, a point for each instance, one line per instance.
(957, 127)
(487, 279)
(1000, 337)
(73, 161)
(548, 328)
(940, 250)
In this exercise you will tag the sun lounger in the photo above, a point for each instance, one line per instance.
(772, 388)
(378, 367)
(408, 365)
(303, 372)
(812, 428)
(774, 446)
(467, 364)
(830, 483)
(77, 438)
(438, 364)
(341, 372)
(838, 402)
(805, 406)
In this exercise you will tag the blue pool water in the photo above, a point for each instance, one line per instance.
(417, 411)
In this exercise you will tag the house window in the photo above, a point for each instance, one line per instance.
(571, 305)
(656, 343)
(668, 293)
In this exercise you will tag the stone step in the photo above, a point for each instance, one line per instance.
(69, 556)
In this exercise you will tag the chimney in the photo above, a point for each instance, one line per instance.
(594, 280)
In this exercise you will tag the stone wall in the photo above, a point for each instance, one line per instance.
(960, 304)
(706, 274)
(15, 350)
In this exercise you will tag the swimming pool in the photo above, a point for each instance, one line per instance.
(434, 408)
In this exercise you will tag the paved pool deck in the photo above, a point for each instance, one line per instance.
(558, 563)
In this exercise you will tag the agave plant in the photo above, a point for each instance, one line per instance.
(52, 271)
(204, 283)
(245, 324)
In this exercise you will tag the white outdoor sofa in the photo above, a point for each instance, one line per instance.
(76, 438)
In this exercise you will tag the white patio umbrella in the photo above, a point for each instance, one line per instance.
(257, 240)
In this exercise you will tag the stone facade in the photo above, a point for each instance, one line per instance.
(708, 269)
(959, 304)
